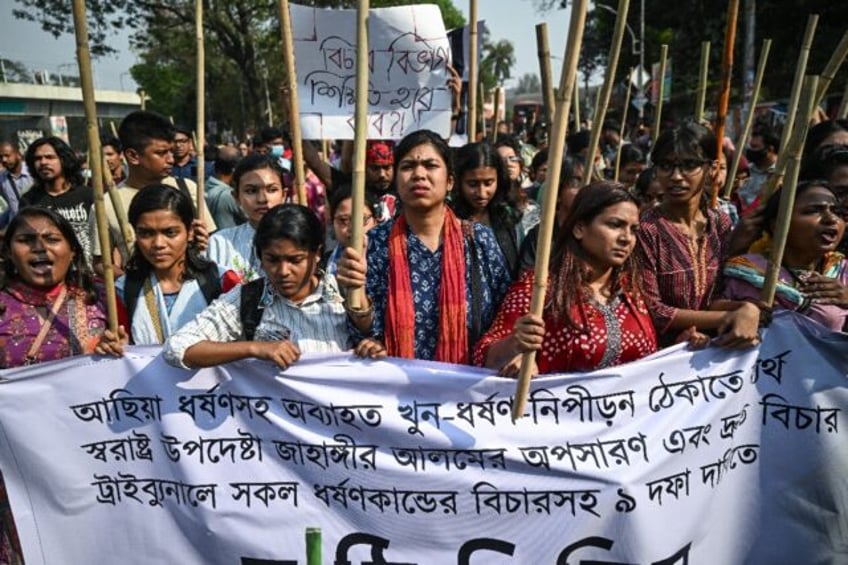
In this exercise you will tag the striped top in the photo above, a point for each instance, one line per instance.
(316, 325)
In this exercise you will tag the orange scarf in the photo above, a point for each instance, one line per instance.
(452, 344)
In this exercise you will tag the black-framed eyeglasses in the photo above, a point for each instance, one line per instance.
(344, 221)
(687, 167)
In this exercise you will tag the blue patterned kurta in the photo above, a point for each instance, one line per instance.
(425, 269)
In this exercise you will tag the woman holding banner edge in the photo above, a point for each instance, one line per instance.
(604, 321)
(683, 243)
(432, 282)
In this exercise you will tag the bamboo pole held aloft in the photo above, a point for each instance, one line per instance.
(496, 103)
(87, 84)
(787, 196)
(623, 124)
(357, 211)
(749, 119)
(843, 106)
(655, 131)
(472, 73)
(128, 237)
(200, 139)
(294, 105)
(606, 89)
(546, 226)
(576, 100)
(545, 70)
(726, 76)
(481, 104)
(702, 81)
(832, 68)
(789, 126)
(797, 83)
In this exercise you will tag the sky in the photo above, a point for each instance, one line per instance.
(514, 20)
(25, 41)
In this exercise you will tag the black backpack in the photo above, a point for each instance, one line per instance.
(250, 308)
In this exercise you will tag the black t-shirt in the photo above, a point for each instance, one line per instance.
(75, 205)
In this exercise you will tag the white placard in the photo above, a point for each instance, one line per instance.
(408, 58)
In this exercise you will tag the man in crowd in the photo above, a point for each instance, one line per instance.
(147, 139)
(762, 157)
(112, 153)
(185, 156)
(15, 180)
(59, 184)
(219, 194)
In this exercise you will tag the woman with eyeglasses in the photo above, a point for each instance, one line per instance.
(341, 204)
(510, 152)
(683, 243)
(813, 277)
(482, 195)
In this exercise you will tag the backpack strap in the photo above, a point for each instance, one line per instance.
(132, 286)
(207, 279)
(209, 282)
(251, 307)
(183, 187)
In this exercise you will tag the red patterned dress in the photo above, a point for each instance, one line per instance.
(609, 335)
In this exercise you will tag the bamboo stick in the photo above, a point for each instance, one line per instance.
(496, 103)
(789, 126)
(660, 94)
(623, 125)
(545, 72)
(796, 142)
(112, 127)
(127, 234)
(606, 89)
(702, 81)
(200, 139)
(832, 67)
(540, 284)
(472, 74)
(797, 83)
(787, 196)
(576, 99)
(87, 84)
(726, 76)
(482, 104)
(294, 104)
(843, 106)
(143, 96)
(749, 119)
(357, 296)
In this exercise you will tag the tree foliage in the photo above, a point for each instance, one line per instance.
(242, 47)
(498, 60)
(528, 83)
(685, 25)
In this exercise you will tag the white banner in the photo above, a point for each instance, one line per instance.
(408, 58)
(706, 457)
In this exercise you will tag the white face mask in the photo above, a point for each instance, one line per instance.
(277, 151)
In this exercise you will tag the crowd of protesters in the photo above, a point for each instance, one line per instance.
(640, 258)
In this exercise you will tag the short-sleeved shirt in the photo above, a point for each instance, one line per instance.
(75, 205)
